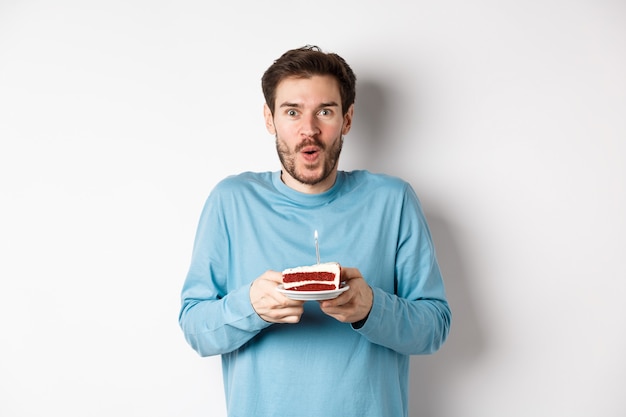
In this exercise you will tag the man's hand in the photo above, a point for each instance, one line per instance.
(271, 305)
(354, 304)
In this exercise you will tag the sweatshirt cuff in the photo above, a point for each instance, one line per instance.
(245, 317)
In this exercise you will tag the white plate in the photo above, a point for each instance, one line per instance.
(312, 295)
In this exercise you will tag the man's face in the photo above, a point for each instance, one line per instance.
(308, 124)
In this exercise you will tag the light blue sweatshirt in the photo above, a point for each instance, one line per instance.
(319, 367)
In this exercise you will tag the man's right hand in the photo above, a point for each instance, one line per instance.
(271, 305)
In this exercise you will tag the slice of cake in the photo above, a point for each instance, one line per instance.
(320, 277)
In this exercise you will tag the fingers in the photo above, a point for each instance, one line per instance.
(271, 305)
(348, 274)
(354, 304)
(283, 313)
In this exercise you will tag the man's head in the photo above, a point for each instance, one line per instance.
(305, 62)
(309, 107)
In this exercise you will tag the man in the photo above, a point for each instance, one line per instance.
(348, 356)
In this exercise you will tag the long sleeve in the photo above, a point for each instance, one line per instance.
(410, 327)
(216, 314)
(416, 319)
(217, 326)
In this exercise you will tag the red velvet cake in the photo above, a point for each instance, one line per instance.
(320, 277)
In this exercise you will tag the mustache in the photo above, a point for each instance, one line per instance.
(310, 142)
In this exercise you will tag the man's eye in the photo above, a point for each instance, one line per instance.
(292, 113)
(325, 112)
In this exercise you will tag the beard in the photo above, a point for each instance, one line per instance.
(329, 160)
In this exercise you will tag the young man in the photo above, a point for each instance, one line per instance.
(348, 356)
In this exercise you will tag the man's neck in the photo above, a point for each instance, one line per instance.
(318, 188)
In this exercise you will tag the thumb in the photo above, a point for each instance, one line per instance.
(349, 273)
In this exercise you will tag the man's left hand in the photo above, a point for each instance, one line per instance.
(354, 304)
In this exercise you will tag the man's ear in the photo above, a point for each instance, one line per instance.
(347, 120)
(269, 120)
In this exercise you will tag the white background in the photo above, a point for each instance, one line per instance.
(118, 117)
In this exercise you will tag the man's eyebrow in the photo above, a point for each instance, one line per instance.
(288, 104)
(296, 105)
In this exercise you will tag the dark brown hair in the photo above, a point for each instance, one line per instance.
(305, 62)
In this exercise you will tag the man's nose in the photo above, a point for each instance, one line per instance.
(309, 126)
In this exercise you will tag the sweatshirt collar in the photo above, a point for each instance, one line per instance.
(308, 199)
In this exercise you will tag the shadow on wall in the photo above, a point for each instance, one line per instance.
(379, 115)
(371, 129)
(429, 375)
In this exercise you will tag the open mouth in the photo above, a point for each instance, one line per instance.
(310, 151)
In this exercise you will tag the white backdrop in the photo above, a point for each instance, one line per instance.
(118, 117)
